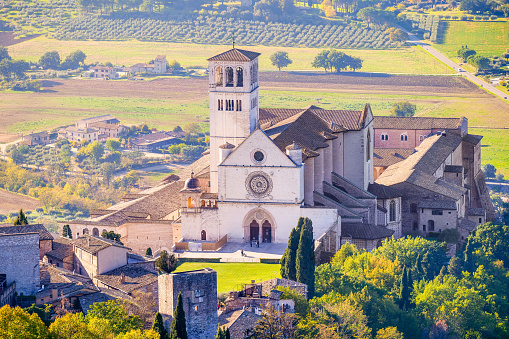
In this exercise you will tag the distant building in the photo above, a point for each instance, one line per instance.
(61, 255)
(129, 278)
(158, 67)
(78, 134)
(45, 238)
(103, 72)
(39, 138)
(153, 141)
(88, 122)
(92, 129)
(94, 255)
(241, 323)
(199, 295)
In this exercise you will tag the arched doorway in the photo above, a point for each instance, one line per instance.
(266, 231)
(203, 235)
(254, 230)
(95, 232)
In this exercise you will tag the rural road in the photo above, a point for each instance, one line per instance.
(428, 48)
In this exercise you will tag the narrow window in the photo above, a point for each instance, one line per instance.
(240, 77)
(229, 76)
(392, 211)
(368, 146)
(431, 225)
(219, 76)
(413, 208)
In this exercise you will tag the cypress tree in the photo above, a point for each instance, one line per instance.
(288, 270)
(469, 265)
(305, 261)
(426, 267)
(158, 326)
(148, 252)
(227, 334)
(418, 267)
(410, 287)
(443, 273)
(220, 333)
(455, 268)
(178, 325)
(21, 219)
(403, 289)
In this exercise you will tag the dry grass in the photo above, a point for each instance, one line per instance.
(12, 202)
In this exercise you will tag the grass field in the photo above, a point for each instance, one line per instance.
(230, 276)
(412, 60)
(487, 38)
(495, 148)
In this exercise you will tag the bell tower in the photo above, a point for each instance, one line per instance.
(233, 102)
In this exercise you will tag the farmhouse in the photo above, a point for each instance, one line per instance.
(103, 72)
(39, 138)
(153, 141)
(158, 67)
(92, 129)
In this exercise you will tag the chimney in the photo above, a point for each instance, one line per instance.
(122, 278)
(294, 152)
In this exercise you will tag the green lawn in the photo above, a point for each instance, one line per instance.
(231, 276)
(487, 38)
(495, 148)
(412, 60)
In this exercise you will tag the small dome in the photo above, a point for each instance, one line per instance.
(227, 145)
(293, 147)
(192, 183)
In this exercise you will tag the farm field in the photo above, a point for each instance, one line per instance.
(230, 276)
(165, 103)
(487, 38)
(411, 60)
(495, 148)
(12, 202)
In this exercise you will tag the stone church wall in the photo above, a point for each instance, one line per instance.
(19, 260)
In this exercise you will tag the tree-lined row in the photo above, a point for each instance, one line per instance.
(219, 30)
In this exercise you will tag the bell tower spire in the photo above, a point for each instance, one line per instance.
(233, 101)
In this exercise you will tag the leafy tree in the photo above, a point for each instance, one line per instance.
(367, 14)
(322, 61)
(280, 59)
(111, 235)
(490, 243)
(305, 259)
(389, 333)
(489, 170)
(139, 334)
(178, 328)
(112, 144)
(222, 333)
(177, 129)
(397, 35)
(166, 263)
(107, 171)
(50, 60)
(288, 260)
(67, 232)
(43, 313)
(476, 6)
(403, 109)
(21, 219)
(274, 324)
(17, 323)
(158, 326)
(117, 316)
(95, 150)
(4, 53)
(74, 60)
(175, 66)
(455, 267)
(148, 252)
(193, 128)
(301, 303)
(464, 53)
(468, 261)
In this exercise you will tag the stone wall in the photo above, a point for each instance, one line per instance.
(199, 295)
(19, 260)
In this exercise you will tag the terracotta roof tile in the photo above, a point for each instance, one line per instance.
(239, 322)
(364, 231)
(34, 228)
(235, 54)
(93, 244)
(416, 123)
(136, 277)
(62, 248)
(382, 191)
(385, 157)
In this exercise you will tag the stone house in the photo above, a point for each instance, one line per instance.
(78, 134)
(103, 72)
(158, 67)
(106, 119)
(38, 138)
(61, 255)
(240, 323)
(199, 296)
(19, 260)
(94, 255)
(45, 238)
(107, 131)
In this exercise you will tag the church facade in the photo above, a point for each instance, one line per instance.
(268, 167)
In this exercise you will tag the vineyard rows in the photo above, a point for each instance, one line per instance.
(218, 30)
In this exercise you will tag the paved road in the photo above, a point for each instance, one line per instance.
(414, 39)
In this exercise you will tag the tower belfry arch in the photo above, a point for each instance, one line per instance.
(233, 101)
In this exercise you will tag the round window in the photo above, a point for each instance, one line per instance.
(258, 156)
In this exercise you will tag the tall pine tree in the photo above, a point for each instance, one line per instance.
(410, 287)
(403, 289)
(178, 325)
(21, 219)
(455, 267)
(158, 326)
(468, 262)
(288, 269)
(305, 261)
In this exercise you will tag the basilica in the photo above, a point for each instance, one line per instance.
(266, 168)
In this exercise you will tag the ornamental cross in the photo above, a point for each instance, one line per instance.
(233, 39)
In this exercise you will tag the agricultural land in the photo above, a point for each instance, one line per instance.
(12, 202)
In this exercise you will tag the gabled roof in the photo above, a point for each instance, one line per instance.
(385, 157)
(364, 231)
(239, 322)
(416, 123)
(136, 277)
(62, 248)
(382, 191)
(235, 54)
(93, 244)
(34, 228)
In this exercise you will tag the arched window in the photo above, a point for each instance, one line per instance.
(368, 146)
(431, 225)
(190, 203)
(404, 137)
(85, 231)
(203, 235)
(240, 77)
(229, 76)
(392, 211)
(219, 76)
(95, 232)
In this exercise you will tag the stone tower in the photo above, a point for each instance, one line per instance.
(199, 295)
(233, 102)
